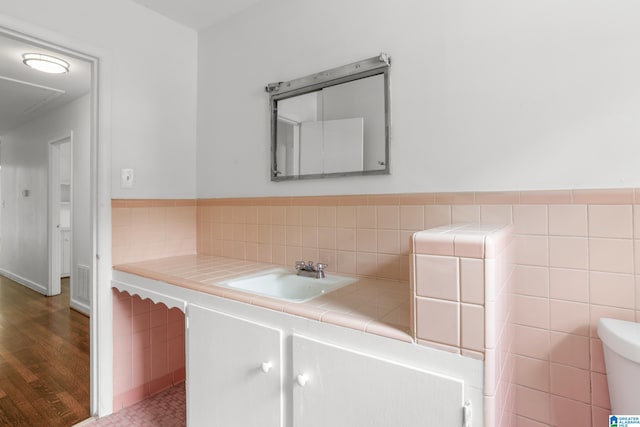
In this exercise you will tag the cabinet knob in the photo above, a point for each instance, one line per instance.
(266, 367)
(302, 379)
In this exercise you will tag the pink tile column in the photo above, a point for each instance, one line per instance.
(461, 285)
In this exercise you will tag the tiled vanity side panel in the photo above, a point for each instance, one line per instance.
(149, 229)
(449, 288)
(437, 300)
(499, 391)
(148, 348)
(462, 292)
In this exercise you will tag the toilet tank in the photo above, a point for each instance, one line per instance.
(621, 344)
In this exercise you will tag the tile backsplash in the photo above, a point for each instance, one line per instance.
(361, 239)
(577, 259)
(148, 229)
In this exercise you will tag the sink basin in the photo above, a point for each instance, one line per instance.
(284, 284)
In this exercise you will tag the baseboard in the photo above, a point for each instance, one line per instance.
(25, 282)
(86, 422)
(81, 307)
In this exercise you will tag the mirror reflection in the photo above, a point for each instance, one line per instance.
(333, 128)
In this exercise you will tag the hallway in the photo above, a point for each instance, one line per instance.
(44, 358)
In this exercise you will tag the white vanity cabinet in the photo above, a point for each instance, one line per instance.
(249, 366)
(348, 377)
(334, 386)
(234, 371)
(241, 372)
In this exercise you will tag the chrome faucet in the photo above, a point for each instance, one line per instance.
(308, 269)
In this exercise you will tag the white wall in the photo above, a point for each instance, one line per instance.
(492, 95)
(153, 87)
(25, 164)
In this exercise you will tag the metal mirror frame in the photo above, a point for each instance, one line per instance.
(376, 65)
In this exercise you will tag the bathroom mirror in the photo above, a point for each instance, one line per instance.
(333, 123)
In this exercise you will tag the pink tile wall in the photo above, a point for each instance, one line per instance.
(582, 267)
(148, 229)
(577, 259)
(149, 353)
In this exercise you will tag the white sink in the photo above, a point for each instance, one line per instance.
(284, 284)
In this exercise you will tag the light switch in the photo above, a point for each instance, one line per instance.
(126, 178)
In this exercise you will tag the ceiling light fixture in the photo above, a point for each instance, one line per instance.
(45, 63)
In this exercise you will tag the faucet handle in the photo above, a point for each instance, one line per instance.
(320, 269)
(300, 265)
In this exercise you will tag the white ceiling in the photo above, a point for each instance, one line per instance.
(25, 94)
(197, 14)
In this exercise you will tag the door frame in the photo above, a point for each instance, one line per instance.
(101, 310)
(53, 223)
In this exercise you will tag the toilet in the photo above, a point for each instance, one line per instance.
(621, 343)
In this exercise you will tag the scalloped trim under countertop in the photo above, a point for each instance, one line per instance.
(379, 307)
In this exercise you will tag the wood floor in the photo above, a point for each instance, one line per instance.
(44, 358)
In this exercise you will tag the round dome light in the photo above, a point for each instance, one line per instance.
(45, 63)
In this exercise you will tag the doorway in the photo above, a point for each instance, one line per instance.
(60, 213)
(82, 190)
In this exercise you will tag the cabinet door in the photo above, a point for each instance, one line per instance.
(226, 380)
(347, 388)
